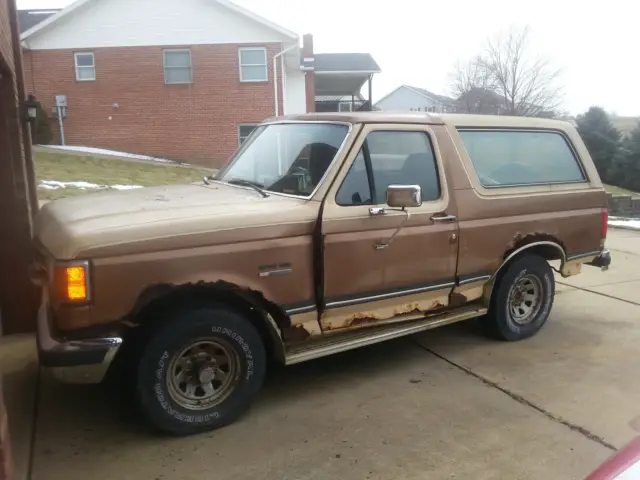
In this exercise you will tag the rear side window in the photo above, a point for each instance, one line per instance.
(509, 158)
(395, 157)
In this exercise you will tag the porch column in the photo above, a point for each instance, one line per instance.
(308, 62)
(370, 93)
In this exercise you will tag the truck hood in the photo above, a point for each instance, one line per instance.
(167, 217)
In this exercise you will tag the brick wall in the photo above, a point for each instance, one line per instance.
(196, 122)
(6, 46)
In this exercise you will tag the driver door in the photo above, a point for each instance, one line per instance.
(368, 280)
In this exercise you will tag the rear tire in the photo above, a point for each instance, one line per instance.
(522, 299)
(199, 371)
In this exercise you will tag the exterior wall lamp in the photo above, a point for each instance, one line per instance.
(31, 105)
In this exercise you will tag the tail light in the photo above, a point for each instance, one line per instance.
(605, 223)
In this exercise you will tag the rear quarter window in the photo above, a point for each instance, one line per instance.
(509, 158)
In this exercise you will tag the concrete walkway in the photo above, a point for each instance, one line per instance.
(445, 404)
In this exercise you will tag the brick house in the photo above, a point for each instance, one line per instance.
(180, 79)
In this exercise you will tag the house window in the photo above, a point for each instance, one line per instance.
(85, 66)
(244, 131)
(177, 67)
(344, 107)
(253, 64)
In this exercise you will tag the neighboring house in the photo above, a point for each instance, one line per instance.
(413, 99)
(482, 101)
(30, 18)
(184, 79)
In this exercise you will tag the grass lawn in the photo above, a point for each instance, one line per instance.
(63, 167)
(620, 191)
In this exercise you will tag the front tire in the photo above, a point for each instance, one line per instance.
(200, 371)
(522, 299)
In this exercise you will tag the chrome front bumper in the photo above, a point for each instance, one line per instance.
(74, 361)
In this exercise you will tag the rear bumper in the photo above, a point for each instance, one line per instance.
(602, 261)
(74, 361)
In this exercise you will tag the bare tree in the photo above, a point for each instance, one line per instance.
(473, 86)
(526, 84)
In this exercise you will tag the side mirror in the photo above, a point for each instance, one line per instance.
(404, 196)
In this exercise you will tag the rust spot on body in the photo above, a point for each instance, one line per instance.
(361, 319)
(296, 333)
(457, 299)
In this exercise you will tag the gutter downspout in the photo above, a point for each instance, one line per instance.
(275, 76)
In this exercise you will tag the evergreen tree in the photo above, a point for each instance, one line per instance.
(626, 169)
(42, 133)
(602, 140)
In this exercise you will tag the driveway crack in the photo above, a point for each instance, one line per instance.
(600, 293)
(520, 399)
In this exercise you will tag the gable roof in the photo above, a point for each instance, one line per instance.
(225, 3)
(345, 62)
(28, 19)
(433, 96)
(443, 99)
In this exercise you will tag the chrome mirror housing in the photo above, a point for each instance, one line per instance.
(404, 196)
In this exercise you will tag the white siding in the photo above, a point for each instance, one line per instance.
(295, 99)
(118, 23)
(403, 100)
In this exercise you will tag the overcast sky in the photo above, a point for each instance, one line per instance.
(416, 42)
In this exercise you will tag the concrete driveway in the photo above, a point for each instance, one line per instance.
(445, 404)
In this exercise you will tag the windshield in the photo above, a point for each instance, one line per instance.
(287, 158)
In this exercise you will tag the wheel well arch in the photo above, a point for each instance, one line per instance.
(543, 245)
(155, 301)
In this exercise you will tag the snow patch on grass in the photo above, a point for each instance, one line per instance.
(82, 185)
(115, 153)
(632, 223)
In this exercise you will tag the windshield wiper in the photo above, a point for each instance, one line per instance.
(248, 183)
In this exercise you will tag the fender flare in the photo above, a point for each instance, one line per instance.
(488, 288)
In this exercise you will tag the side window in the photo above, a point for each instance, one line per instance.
(403, 158)
(509, 158)
(355, 187)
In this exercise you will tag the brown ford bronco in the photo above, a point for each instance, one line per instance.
(323, 233)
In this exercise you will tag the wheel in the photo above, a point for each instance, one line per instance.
(199, 371)
(522, 299)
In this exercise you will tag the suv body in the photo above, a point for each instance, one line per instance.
(323, 233)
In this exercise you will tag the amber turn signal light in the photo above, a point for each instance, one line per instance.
(76, 283)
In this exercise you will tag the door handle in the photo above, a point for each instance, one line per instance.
(444, 218)
(373, 211)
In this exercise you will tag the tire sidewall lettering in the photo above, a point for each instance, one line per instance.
(160, 388)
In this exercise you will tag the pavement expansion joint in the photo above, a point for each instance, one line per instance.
(603, 294)
(520, 399)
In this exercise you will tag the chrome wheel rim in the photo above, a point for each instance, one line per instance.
(203, 374)
(525, 299)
